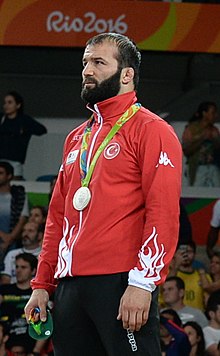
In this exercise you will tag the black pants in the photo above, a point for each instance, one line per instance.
(85, 321)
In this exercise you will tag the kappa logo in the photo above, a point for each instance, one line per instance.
(76, 138)
(72, 156)
(112, 150)
(164, 160)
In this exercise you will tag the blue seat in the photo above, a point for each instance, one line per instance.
(46, 178)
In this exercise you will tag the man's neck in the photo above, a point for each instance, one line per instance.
(32, 247)
(188, 269)
(214, 324)
(178, 305)
(23, 285)
(5, 188)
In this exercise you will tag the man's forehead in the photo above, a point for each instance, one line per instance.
(105, 48)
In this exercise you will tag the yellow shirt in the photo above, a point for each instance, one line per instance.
(194, 293)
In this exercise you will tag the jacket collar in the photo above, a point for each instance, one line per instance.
(113, 107)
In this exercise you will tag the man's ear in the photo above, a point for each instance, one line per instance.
(127, 75)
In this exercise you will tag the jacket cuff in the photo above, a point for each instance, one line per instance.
(136, 279)
(50, 288)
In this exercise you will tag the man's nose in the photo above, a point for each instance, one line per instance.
(88, 70)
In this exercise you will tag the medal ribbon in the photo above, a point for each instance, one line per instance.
(120, 122)
(84, 148)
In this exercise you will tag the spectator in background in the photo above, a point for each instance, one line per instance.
(13, 298)
(214, 284)
(182, 266)
(13, 209)
(173, 291)
(31, 241)
(214, 229)
(16, 129)
(174, 341)
(196, 338)
(201, 146)
(38, 215)
(212, 331)
(3, 339)
(17, 348)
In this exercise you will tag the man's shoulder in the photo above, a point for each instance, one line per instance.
(17, 189)
(13, 253)
(155, 122)
(76, 134)
(192, 310)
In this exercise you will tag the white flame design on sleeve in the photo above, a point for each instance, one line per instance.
(151, 264)
(64, 263)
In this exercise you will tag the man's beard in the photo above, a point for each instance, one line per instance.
(106, 89)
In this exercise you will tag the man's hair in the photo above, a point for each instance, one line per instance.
(176, 318)
(128, 53)
(179, 282)
(190, 244)
(213, 303)
(28, 257)
(7, 167)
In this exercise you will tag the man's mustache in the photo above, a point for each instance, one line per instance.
(89, 80)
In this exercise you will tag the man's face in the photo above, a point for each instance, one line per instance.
(171, 294)
(189, 256)
(36, 216)
(30, 235)
(215, 265)
(23, 271)
(4, 177)
(101, 75)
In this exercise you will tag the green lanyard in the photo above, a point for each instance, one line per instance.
(120, 122)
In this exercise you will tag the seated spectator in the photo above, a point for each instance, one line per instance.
(173, 291)
(201, 146)
(213, 234)
(17, 348)
(3, 339)
(196, 338)
(13, 208)
(38, 214)
(31, 238)
(182, 266)
(13, 299)
(16, 129)
(174, 341)
(212, 331)
(14, 296)
(214, 284)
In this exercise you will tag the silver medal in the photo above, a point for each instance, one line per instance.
(81, 198)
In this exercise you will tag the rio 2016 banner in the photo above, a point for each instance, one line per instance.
(152, 25)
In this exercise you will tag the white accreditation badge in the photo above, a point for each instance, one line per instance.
(81, 198)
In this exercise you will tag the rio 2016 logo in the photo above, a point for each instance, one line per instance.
(59, 22)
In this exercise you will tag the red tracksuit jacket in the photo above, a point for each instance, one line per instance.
(132, 221)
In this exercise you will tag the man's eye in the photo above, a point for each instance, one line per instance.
(99, 62)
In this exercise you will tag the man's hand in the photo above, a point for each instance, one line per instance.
(134, 308)
(39, 298)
